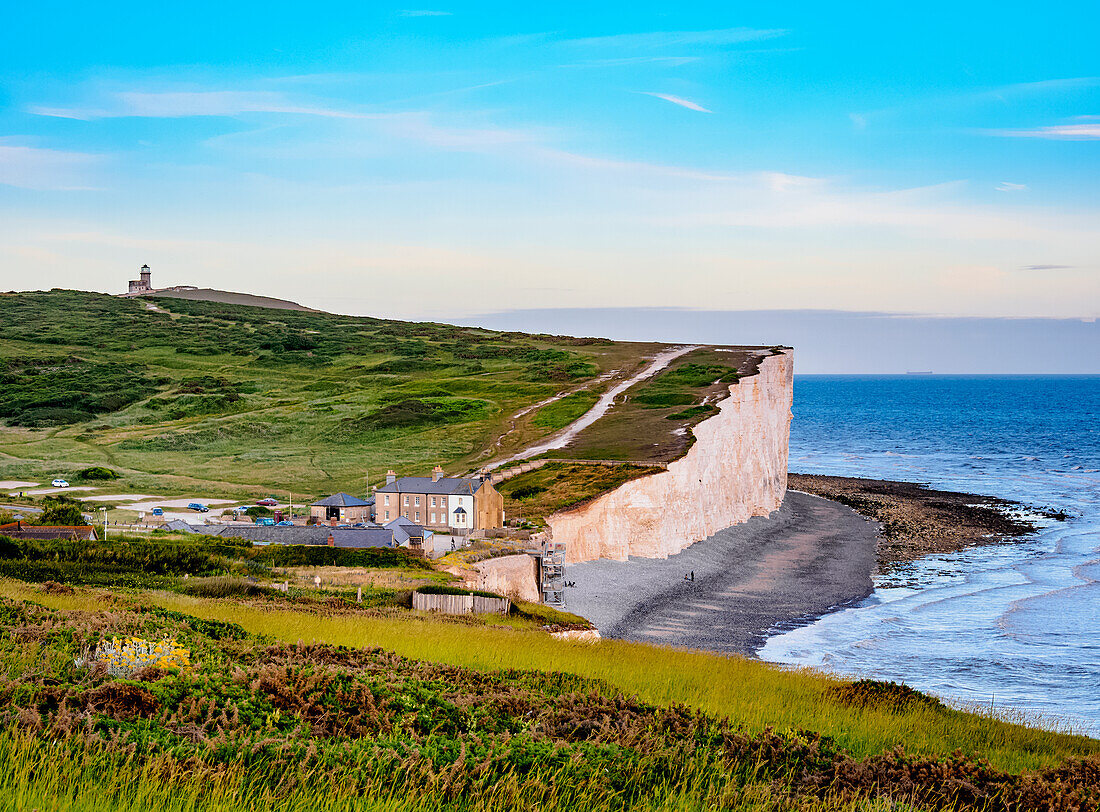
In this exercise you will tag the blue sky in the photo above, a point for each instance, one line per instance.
(453, 159)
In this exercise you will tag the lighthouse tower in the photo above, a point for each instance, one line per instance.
(144, 284)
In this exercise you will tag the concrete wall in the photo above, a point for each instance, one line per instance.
(736, 469)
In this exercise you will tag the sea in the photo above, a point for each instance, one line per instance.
(1013, 627)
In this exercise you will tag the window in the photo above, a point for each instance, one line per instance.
(406, 501)
(418, 515)
(387, 514)
(386, 500)
(417, 500)
(433, 502)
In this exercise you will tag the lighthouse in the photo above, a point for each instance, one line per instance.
(144, 284)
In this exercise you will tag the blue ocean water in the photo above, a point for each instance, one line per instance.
(1014, 625)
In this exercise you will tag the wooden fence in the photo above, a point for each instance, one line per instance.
(460, 604)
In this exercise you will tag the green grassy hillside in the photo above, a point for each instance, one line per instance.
(234, 400)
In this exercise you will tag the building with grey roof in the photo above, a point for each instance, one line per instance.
(440, 503)
(374, 536)
(341, 507)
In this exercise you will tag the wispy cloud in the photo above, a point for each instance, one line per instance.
(1046, 267)
(688, 103)
(667, 39)
(192, 103)
(1005, 186)
(671, 61)
(1083, 131)
(36, 168)
(423, 12)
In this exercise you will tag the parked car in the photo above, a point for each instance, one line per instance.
(265, 521)
(284, 523)
(267, 501)
(199, 507)
(158, 511)
(60, 483)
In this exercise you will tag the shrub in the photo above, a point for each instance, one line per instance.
(221, 586)
(126, 657)
(98, 472)
(527, 491)
(258, 510)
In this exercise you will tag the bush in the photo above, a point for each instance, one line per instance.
(98, 472)
(527, 491)
(60, 511)
(256, 511)
(310, 555)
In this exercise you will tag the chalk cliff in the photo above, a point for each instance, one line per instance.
(736, 469)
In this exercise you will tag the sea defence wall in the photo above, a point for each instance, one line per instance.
(736, 469)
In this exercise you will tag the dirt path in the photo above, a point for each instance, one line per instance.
(562, 438)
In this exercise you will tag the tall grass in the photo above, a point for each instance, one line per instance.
(753, 694)
(50, 777)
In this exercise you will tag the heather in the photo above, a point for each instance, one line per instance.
(282, 719)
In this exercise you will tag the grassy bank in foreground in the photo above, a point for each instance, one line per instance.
(752, 694)
(240, 720)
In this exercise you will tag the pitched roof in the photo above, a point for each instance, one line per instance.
(313, 535)
(49, 531)
(424, 484)
(404, 529)
(340, 500)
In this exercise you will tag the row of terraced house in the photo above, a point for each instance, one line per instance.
(442, 504)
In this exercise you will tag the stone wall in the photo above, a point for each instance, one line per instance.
(736, 469)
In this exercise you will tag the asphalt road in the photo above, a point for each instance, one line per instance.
(809, 557)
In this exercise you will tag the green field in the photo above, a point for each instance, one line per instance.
(215, 400)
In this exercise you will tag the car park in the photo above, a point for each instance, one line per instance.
(265, 521)
(60, 483)
(198, 507)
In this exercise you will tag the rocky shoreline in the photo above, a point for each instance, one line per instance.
(917, 520)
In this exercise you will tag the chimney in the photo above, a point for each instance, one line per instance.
(331, 540)
(391, 477)
(437, 472)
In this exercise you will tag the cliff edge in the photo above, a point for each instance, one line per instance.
(736, 469)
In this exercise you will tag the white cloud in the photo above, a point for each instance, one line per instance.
(665, 39)
(36, 168)
(1085, 131)
(181, 104)
(688, 103)
(1005, 186)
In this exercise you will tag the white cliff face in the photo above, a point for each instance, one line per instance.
(513, 576)
(736, 469)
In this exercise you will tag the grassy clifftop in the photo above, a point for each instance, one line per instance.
(225, 399)
(172, 391)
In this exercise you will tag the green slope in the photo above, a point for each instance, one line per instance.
(237, 400)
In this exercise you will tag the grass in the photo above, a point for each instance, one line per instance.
(480, 717)
(750, 693)
(556, 485)
(232, 401)
(653, 420)
(561, 413)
